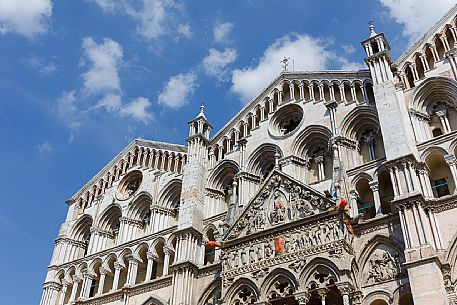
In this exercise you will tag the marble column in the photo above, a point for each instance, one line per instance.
(374, 186)
(151, 258)
(117, 272)
(451, 161)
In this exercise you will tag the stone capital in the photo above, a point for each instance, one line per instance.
(302, 297)
(118, 266)
(151, 255)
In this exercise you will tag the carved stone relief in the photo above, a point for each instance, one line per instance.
(382, 266)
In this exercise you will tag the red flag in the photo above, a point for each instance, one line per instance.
(212, 243)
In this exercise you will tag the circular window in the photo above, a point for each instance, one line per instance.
(286, 120)
(129, 185)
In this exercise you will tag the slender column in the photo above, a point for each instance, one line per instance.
(451, 161)
(418, 225)
(270, 110)
(343, 96)
(302, 92)
(442, 115)
(434, 53)
(292, 91)
(321, 92)
(353, 94)
(445, 43)
(322, 292)
(132, 271)
(151, 257)
(405, 227)
(423, 59)
(101, 283)
(414, 70)
(87, 282)
(311, 91)
(117, 272)
(354, 207)
(377, 200)
(344, 290)
(166, 260)
(63, 292)
(74, 289)
(393, 177)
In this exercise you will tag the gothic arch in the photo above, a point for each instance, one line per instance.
(433, 89)
(140, 205)
(262, 160)
(155, 300)
(378, 295)
(109, 217)
(139, 248)
(222, 175)
(318, 264)
(432, 150)
(374, 242)
(81, 229)
(359, 119)
(211, 290)
(236, 288)
(276, 275)
(170, 195)
(359, 176)
(311, 135)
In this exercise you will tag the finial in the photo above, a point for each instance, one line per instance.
(202, 108)
(372, 32)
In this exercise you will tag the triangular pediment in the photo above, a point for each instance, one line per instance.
(280, 200)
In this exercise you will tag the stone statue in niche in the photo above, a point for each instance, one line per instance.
(231, 205)
(278, 212)
(382, 267)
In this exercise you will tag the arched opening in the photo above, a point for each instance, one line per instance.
(124, 270)
(221, 188)
(439, 47)
(409, 77)
(82, 233)
(440, 175)
(168, 202)
(210, 252)
(109, 277)
(286, 95)
(95, 280)
(347, 92)
(141, 211)
(296, 91)
(306, 94)
(281, 292)
(386, 192)
(316, 94)
(109, 222)
(362, 126)
(263, 160)
(370, 93)
(142, 265)
(69, 279)
(365, 199)
(336, 91)
(419, 66)
(450, 38)
(244, 295)
(358, 92)
(374, 47)
(326, 89)
(158, 265)
(312, 145)
(429, 57)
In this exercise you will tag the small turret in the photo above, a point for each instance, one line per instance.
(378, 59)
(200, 125)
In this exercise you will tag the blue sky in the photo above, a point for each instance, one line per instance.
(80, 79)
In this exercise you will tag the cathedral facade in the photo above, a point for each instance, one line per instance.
(330, 187)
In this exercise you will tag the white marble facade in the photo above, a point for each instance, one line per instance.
(265, 188)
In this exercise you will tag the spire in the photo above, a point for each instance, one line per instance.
(202, 111)
(372, 31)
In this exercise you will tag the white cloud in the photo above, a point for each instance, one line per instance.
(417, 16)
(216, 62)
(25, 17)
(67, 111)
(155, 17)
(308, 53)
(138, 109)
(106, 5)
(111, 102)
(185, 30)
(222, 31)
(348, 49)
(177, 90)
(39, 64)
(104, 61)
(44, 148)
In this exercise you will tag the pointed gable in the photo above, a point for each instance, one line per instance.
(280, 200)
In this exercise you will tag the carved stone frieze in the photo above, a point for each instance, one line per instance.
(281, 200)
